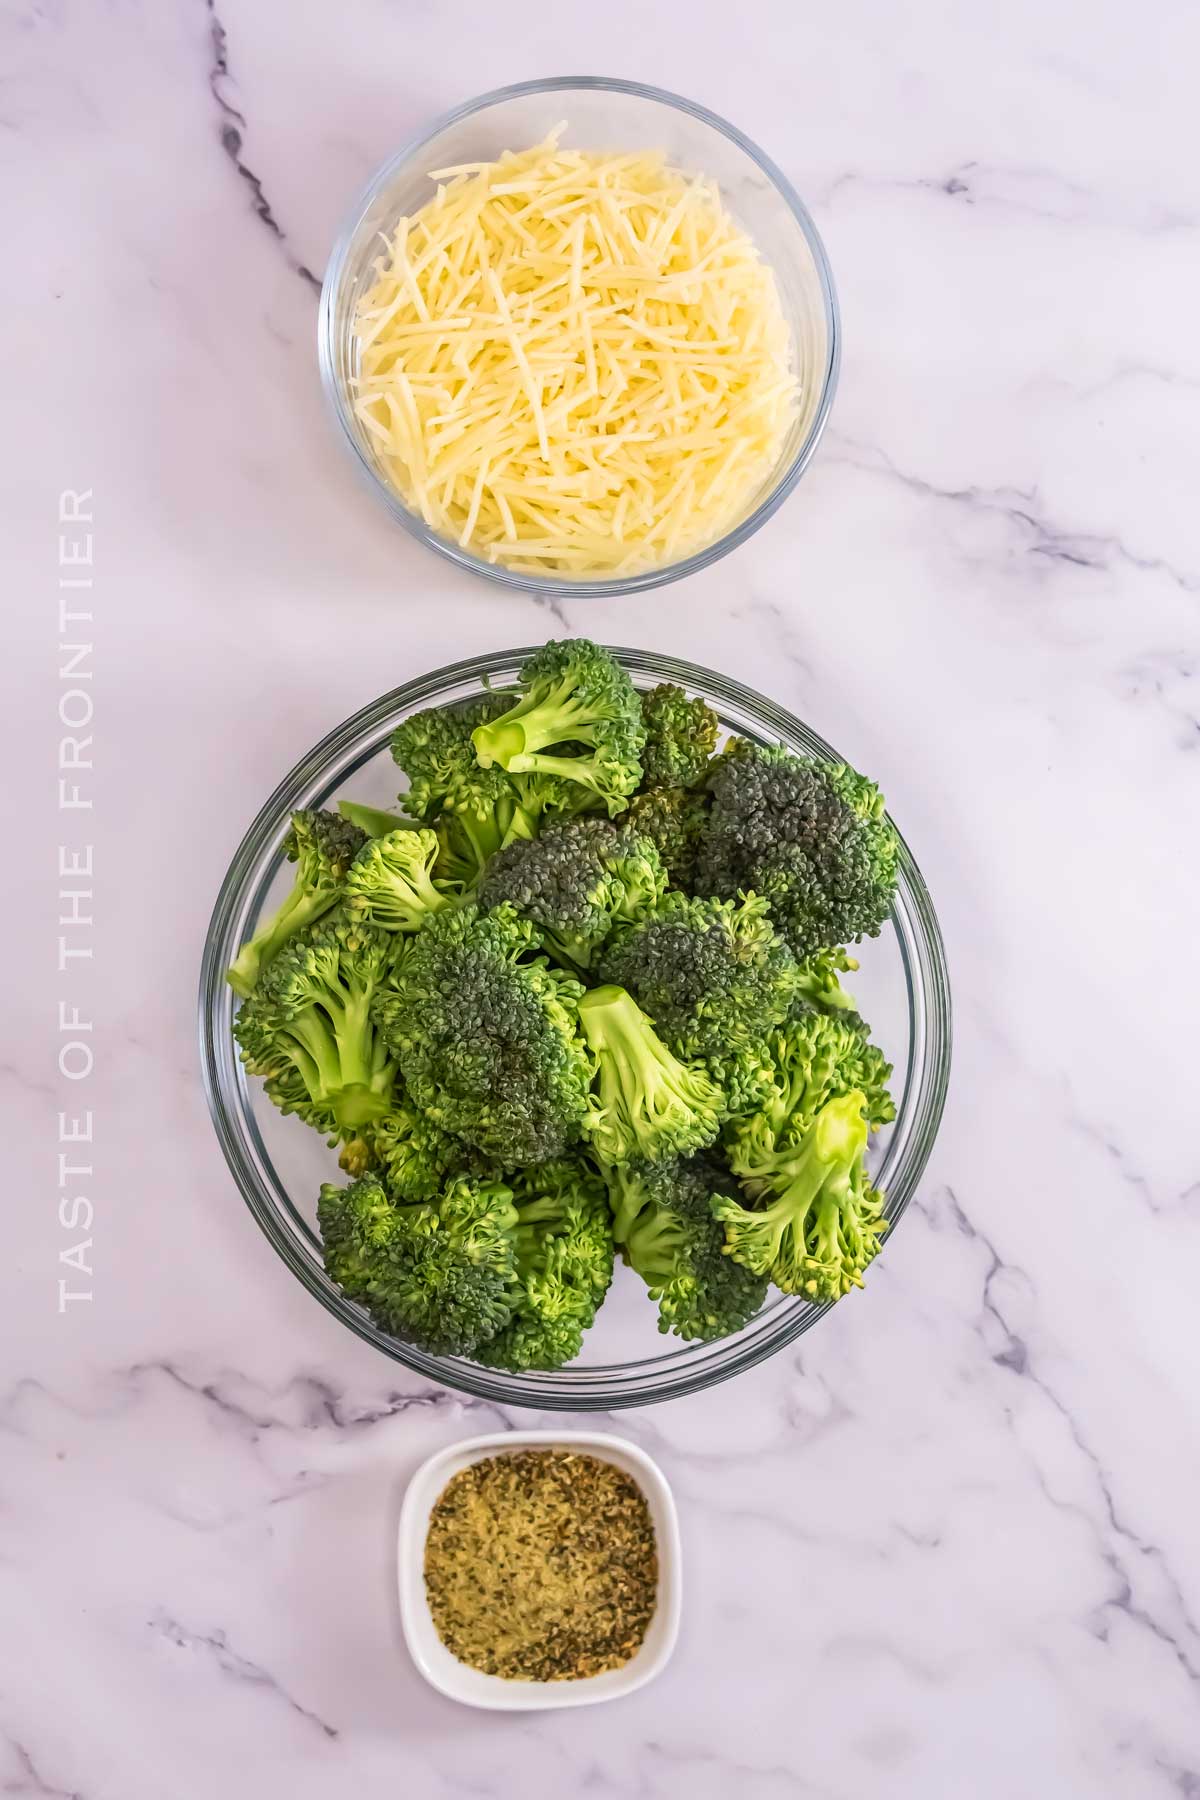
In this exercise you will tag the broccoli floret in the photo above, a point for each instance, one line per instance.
(820, 985)
(811, 837)
(716, 978)
(416, 1158)
(487, 1034)
(308, 1026)
(575, 698)
(390, 882)
(814, 1057)
(681, 735)
(575, 881)
(675, 820)
(564, 1255)
(441, 1275)
(474, 810)
(675, 1243)
(647, 1104)
(373, 820)
(819, 1221)
(323, 846)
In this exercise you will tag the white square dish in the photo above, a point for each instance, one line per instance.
(457, 1679)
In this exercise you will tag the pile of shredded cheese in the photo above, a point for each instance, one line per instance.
(574, 363)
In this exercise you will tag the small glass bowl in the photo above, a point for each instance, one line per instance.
(278, 1163)
(600, 114)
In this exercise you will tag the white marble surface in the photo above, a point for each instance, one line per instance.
(948, 1546)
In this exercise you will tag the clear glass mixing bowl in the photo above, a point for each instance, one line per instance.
(279, 1163)
(600, 115)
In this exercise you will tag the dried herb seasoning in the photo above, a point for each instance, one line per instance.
(541, 1565)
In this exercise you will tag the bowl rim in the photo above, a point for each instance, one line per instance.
(594, 1387)
(489, 1692)
(553, 586)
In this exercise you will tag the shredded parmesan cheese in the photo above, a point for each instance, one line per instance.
(574, 363)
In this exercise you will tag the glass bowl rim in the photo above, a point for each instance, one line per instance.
(927, 1075)
(555, 586)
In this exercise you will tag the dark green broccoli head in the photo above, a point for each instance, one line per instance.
(577, 720)
(575, 881)
(487, 1035)
(675, 820)
(322, 845)
(564, 1252)
(647, 1104)
(716, 978)
(811, 837)
(675, 1243)
(440, 1275)
(681, 735)
(390, 883)
(816, 1221)
(308, 1027)
(813, 1057)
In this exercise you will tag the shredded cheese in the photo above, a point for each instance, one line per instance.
(574, 363)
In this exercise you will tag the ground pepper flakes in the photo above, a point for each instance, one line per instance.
(541, 1565)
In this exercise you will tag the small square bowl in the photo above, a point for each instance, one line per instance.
(457, 1679)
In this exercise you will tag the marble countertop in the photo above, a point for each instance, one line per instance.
(946, 1545)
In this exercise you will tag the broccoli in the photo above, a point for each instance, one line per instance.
(576, 698)
(716, 978)
(813, 1057)
(486, 1033)
(809, 836)
(664, 1215)
(681, 735)
(373, 820)
(323, 846)
(389, 883)
(819, 1221)
(648, 1104)
(308, 1026)
(675, 820)
(564, 1257)
(575, 881)
(819, 985)
(416, 1158)
(440, 1275)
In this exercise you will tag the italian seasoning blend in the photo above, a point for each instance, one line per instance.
(541, 1565)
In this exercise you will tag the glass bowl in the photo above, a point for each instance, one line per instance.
(600, 115)
(279, 1163)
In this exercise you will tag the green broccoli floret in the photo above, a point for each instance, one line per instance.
(322, 845)
(308, 1026)
(564, 1254)
(390, 883)
(818, 1221)
(716, 978)
(416, 1158)
(681, 735)
(441, 1275)
(820, 985)
(647, 1103)
(673, 1240)
(474, 810)
(575, 881)
(811, 837)
(814, 1057)
(487, 1034)
(374, 821)
(675, 820)
(578, 720)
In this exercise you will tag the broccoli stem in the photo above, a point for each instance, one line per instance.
(302, 908)
(373, 820)
(513, 739)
